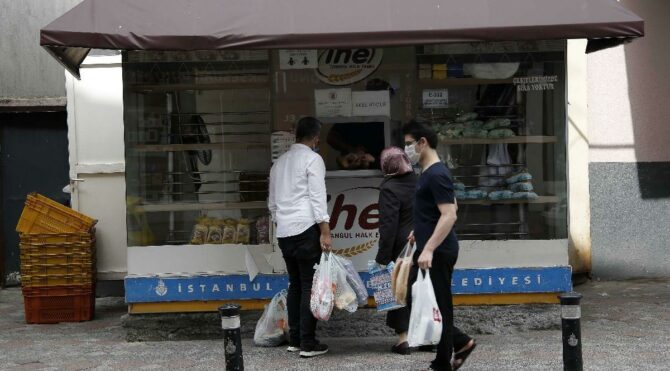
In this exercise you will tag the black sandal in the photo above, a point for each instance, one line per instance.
(462, 356)
(402, 348)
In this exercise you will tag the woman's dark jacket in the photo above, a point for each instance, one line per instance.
(396, 204)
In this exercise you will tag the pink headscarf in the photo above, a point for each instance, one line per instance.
(394, 162)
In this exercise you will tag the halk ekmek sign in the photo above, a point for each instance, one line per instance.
(354, 219)
(265, 286)
(347, 66)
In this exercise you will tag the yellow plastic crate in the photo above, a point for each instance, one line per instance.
(35, 257)
(43, 215)
(57, 270)
(57, 248)
(57, 280)
(58, 238)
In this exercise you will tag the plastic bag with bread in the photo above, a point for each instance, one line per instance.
(400, 274)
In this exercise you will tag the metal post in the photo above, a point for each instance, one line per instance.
(571, 314)
(232, 338)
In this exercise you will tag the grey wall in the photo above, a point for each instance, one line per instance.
(630, 219)
(26, 70)
(629, 173)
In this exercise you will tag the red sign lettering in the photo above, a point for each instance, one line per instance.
(368, 219)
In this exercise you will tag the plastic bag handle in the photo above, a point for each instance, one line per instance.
(423, 273)
(411, 247)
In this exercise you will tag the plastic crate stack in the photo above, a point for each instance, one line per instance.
(57, 262)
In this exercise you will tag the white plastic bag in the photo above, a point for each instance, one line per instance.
(323, 289)
(425, 321)
(354, 279)
(272, 327)
(345, 296)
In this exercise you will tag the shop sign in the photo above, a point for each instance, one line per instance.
(435, 98)
(296, 59)
(354, 218)
(347, 66)
(332, 102)
(535, 83)
(265, 286)
(371, 103)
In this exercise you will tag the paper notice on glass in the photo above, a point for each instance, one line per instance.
(435, 98)
(371, 103)
(252, 268)
(295, 59)
(332, 102)
(280, 143)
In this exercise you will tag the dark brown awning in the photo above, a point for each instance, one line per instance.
(273, 24)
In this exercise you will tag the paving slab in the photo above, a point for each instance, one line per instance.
(625, 326)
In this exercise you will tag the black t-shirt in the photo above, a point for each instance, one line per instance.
(435, 187)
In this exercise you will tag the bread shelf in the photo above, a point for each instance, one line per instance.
(517, 139)
(193, 206)
(539, 200)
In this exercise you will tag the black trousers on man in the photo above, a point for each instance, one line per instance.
(301, 253)
(452, 337)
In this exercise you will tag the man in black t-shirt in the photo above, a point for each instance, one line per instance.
(436, 242)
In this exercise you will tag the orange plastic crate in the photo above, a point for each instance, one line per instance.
(59, 303)
(43, 215)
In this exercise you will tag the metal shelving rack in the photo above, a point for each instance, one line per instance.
(510, 229)
(230, 128)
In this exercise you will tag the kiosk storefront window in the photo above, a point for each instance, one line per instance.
(198, 129)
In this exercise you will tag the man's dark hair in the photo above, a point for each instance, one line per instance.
(307, 128)
(418, 130)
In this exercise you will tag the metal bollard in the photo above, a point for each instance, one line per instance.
(571, 315)
(232, 338)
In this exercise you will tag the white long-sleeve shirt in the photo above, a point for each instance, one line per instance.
(297, 198)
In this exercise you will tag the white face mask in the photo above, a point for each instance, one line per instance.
(410, 151)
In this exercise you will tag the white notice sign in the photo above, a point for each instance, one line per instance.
(295, 59)
(332, 102)
(371, 103)
(435, 98)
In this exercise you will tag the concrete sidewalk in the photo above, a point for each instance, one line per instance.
(625, 326)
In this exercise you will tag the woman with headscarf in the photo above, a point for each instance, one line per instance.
(396, 200)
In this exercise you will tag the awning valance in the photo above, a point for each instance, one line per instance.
(273, 24)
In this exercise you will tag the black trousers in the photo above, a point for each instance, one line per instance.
(452, 337)
(301, 253)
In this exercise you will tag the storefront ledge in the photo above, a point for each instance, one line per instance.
(194, 306)
(259, 304)
(161, 325)
(507, 299)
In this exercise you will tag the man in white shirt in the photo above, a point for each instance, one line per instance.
(298, 205)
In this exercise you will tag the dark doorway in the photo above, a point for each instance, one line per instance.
(33, 158)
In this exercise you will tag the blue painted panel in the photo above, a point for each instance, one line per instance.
(512, 280)
(238, 287)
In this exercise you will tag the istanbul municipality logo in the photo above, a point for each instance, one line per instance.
(161, 289)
